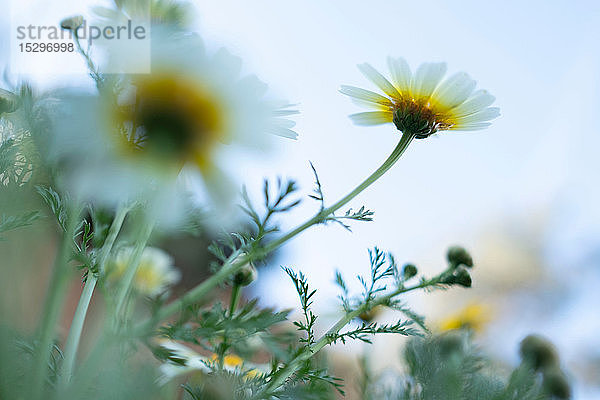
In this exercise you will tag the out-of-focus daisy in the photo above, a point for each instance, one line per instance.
(134, 139)
(184, 360)
(175, 14)
(474, 316)
(154, 274)
(422, 103)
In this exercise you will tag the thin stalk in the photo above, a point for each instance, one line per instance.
(233, 265)
(74, 337)
(283, 374)
(236, 291)
(55, 298)
(405, 140)
(233, 302)
(93, 70)
(132, 266)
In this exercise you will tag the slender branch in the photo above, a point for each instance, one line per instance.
(132, 266)
(90, 63)
(230, 267)
(283, 374)
(235, 298)
(74, 337)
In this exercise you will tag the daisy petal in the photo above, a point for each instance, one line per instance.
(232, 65)
(477, 102)
(426, 79)
(454, 90)
(471, 127)
(379, 80)
(372, 118)
(365, 95)
(401, 75)
(283, 123)
(372, 106)
(285, 113)
(482, 116)
(283, 132)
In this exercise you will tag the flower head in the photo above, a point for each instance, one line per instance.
(421, 103)
(134, 139)
(184, 360)
(72, 23)
(154, 274)
(473, 316)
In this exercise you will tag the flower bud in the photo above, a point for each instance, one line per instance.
(459, 277)
(408, 271)
(246, 275)
(538, 352)
(459, 256)
(368, 316)
(72, 23)
(463, 278)
(556, 384)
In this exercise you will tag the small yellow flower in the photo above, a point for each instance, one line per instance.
(420, 103)
(154, 274)
(473, 316)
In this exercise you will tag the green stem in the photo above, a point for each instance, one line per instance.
(235, 298)
(74, 337)
(132, 267)
(283, 374)
(54, 301)
(405, 140)
(233, 265)
(93, 70)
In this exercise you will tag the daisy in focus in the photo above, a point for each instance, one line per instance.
(153, 276)
(422, 103)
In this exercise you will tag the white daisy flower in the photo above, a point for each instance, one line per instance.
(184, 360)
(131, 142)
(154, 274)
(422, 103)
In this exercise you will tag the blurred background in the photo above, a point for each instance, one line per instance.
(522, 196)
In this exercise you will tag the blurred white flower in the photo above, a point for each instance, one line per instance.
(185, 360)
(133, 140)
(154, 274)
(174, 13)
(421, 103)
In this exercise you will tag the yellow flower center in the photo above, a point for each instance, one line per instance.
(419, 118)
(168, 118)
